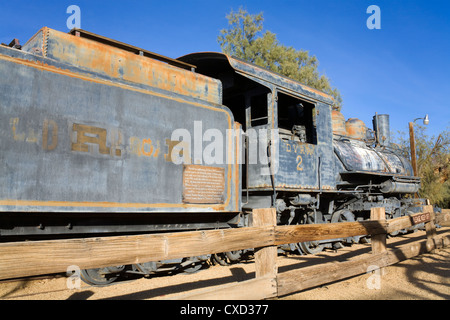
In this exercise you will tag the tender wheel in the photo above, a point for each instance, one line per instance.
(311, 247)
(192, 267)
(100, 276)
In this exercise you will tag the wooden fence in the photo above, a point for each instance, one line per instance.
(23, 259)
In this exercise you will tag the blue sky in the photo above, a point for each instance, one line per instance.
(403, 69)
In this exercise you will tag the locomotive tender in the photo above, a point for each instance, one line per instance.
(102, 138)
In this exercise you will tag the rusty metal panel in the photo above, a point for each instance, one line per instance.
(356, 156)
(118, 64)
(338, 123)
(130, 48)
(356, 129)
(203, 184)
(71, 141)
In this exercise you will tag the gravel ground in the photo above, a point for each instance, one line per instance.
(426, 277)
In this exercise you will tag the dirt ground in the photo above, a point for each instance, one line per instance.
(426, 277)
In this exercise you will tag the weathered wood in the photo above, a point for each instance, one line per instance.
(309, 277)
(430, 229)
(21, 259)
(313, 232)
(443, 218)
(407, 221)
(378, 240)
(265, 258)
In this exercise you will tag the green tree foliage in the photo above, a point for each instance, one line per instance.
(246, 40)
(433, 164)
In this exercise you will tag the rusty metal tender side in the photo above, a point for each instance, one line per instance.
(89, 133)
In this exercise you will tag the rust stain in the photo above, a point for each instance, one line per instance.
(356, 128)
(120, 64)
(338, 123)
(89, 204)
(46, 67)
(43, 66)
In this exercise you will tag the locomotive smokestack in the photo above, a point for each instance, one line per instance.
(382, 129)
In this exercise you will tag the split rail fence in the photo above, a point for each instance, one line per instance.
(22, 259)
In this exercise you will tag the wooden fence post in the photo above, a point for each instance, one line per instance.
(430, 228)
(378, 240)
(266, 257)
(266, 268)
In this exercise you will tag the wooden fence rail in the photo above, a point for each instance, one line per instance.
(22, 259)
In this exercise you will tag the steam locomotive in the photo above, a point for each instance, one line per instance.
(102, 138)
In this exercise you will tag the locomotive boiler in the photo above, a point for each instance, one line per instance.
(104, 138)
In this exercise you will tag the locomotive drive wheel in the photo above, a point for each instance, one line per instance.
(227, 258)
(344, 215)
(234, 256)
(221, 259)
(312, 247)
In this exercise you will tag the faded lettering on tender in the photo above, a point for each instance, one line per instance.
(144, 147)
(91, 135)
(53, 137)
(30, 137)
(93, 139)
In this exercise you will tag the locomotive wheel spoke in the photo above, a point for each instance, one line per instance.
(98, 277)
(345, 215)
(221, 259)
(312, 247)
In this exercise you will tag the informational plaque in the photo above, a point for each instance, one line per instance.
(203, 184)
